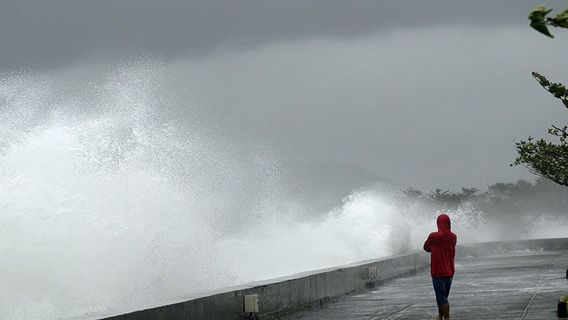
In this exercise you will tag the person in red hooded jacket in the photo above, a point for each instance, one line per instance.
(442, 248)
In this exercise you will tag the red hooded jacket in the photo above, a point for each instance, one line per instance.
(442, 248)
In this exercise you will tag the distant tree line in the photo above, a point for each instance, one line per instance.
(505, 200)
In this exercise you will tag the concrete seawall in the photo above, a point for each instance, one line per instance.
(500, 247)
(284, 295)
(281, 296)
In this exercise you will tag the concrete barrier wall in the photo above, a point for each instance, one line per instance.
(288, 294)
(501, 247)
(285, 295)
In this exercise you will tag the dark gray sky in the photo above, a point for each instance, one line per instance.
(429, 93)
(54, 33)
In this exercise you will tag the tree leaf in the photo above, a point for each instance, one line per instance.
(536, 16)
(561, 19)
(541, 79)
(538, 13)
(541, 27)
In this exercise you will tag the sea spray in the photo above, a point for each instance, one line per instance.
(112, 201)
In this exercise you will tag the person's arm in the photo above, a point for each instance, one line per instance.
(428, 244)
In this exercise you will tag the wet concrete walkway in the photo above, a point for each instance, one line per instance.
(520, 285)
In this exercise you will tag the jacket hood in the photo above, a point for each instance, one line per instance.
(444, 223)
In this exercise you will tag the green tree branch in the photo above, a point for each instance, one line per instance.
(541, 157)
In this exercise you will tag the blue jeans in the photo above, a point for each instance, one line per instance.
(442, 289)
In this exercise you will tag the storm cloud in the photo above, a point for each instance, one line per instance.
(54, 33)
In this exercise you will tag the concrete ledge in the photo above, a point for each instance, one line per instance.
(284, 295)
(288, 294)
(501, 247)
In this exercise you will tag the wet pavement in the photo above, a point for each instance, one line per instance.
(519, 285)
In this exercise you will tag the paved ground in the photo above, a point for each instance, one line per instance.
(521, 285)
